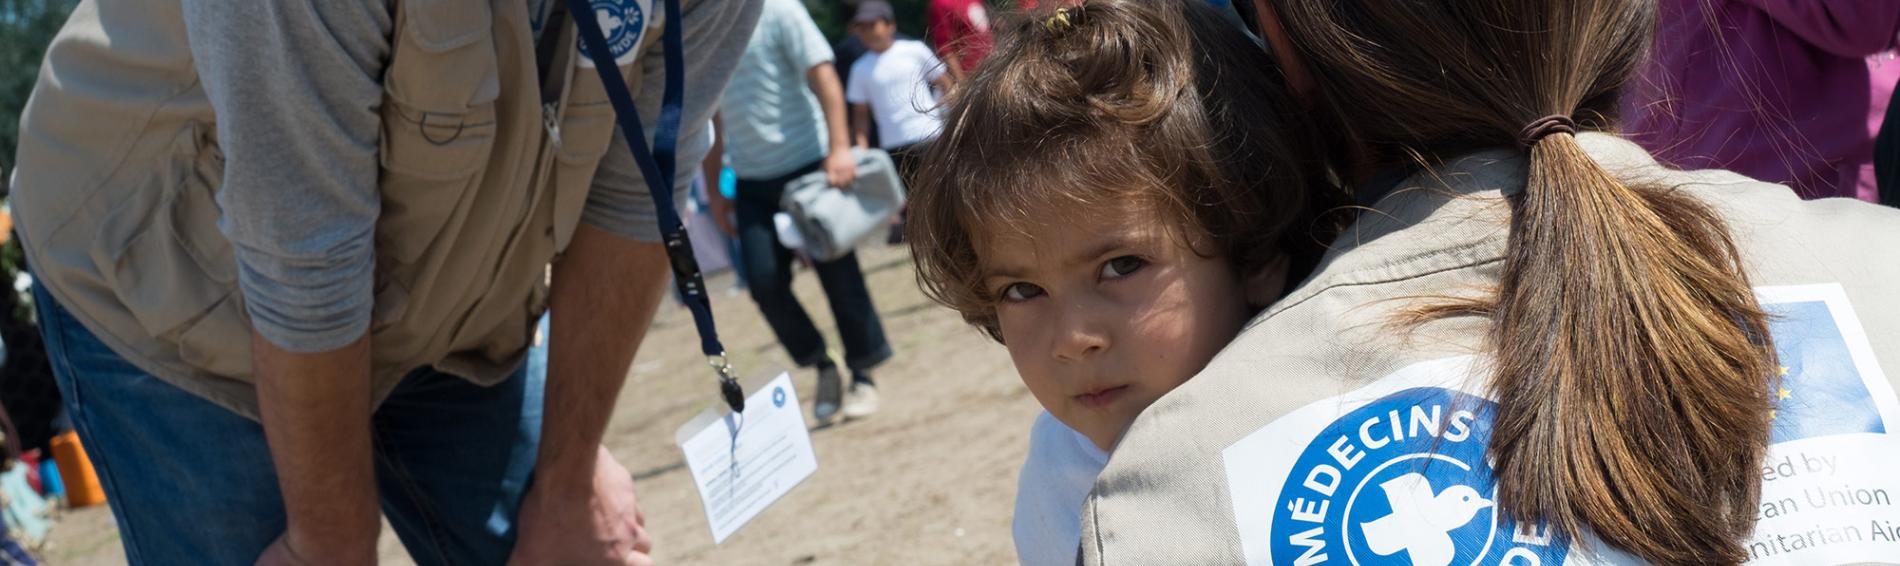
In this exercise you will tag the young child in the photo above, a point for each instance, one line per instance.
(892, 83)
(1099, 202)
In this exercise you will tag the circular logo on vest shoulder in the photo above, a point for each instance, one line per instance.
(624, 23)
(1404, 480)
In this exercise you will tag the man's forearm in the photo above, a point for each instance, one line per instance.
(830, 92)
(316, 410)
(605, 291)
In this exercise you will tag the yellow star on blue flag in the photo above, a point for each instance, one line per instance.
(1820, 392)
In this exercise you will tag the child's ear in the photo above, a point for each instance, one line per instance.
(1268, 282)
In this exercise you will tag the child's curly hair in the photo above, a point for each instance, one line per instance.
(1106, 100)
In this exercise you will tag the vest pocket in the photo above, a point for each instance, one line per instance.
(392, 302)
(161, 251)
(219, 342)
(443, 55)
(442, 25)
(438, 117)
(587, 132)
(430, 160)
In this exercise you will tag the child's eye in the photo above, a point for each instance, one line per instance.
(1122, 267)
(1018, 292)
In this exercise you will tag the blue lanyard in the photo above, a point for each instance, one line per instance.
(657, 166)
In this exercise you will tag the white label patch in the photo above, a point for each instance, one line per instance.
(1395, 473)
(624, 23)
(1833, 472)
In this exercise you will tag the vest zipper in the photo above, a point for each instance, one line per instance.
(552, 114)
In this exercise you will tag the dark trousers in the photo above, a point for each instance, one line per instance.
(452, 459)
(768, 275)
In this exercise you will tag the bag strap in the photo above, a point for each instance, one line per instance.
(657, 166)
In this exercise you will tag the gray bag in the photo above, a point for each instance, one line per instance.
(834, 221)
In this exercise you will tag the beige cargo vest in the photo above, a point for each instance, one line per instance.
(116, 203)
(1289, 447)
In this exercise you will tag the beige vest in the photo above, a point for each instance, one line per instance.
(1281, 450)
(121, 165)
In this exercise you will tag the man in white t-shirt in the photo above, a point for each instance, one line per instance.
(893, 83)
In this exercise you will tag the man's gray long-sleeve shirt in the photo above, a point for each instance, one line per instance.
(296, 86)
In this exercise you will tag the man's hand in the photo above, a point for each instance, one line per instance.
(280, 554)
(841, 168)
(597, 524)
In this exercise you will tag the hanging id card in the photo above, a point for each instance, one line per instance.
(743, 462)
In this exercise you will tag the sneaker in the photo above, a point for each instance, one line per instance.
(830, 389)
(861, 401)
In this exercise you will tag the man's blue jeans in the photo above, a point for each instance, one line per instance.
(192, 483)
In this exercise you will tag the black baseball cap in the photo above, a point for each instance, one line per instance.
(874, 10)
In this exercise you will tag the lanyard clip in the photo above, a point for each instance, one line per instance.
(728, 385)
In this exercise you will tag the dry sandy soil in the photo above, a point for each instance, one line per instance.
(929, 480)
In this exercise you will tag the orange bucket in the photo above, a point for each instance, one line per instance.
(75, 470)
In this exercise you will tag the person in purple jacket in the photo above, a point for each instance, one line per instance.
(1787, 91)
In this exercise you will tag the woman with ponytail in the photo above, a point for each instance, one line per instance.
(1535, 345)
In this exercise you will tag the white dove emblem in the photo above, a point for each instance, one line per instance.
(1421, 522)
(609, 23)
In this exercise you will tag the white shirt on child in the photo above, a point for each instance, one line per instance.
(1055, 481)
(896, 84)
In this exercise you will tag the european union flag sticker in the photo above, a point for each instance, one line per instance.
(1827, 483)
(1821, 391)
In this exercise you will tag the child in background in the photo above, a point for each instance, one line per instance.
(1108, 200)
(892, 82)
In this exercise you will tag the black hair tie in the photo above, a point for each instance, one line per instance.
(1545, 126)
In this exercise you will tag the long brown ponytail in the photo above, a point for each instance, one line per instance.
(1632, 360)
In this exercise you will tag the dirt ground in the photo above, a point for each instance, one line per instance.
(928, 480)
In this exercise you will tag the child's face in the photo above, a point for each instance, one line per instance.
(877, 36)
(1105, 311)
